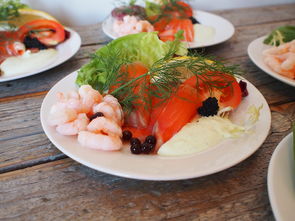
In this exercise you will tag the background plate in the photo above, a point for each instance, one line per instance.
(65, 50)
(154, 167)
(255, 50)
(224, 30)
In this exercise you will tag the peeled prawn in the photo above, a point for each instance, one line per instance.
(74, 127)
(99, 141)
(105, 125)
(89, 97)
(109, 111)
(282, 59)
(60, 114)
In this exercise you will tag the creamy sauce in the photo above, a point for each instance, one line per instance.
(27, 62)
(200, 135)
(203, 33)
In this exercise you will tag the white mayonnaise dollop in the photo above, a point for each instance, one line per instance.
(27, 62)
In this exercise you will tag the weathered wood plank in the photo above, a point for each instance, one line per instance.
(259, 15)
(92, 34)
(82, 192)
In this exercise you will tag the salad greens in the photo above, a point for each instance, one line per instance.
(9, 9)
(144, 47)
(152, 8)
(280, 35)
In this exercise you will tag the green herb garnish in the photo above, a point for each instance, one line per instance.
(9, 9)
(162, 79)
(280, 35)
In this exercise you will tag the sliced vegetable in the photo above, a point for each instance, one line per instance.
(48, 32)
(280, 35)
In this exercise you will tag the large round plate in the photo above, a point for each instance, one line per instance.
(65, 51)
(154, 167)
(281, 180)
(255, 50)
(224, 30)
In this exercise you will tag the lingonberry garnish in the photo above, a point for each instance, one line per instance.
(210, 107)
(127, 135)
(150, 139)
(98, 114)
(147, 148)
(243, 86)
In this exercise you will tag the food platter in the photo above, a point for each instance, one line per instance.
(281, 180)
(255, 49)
(154, 167)
(224, 29)
(65, 51)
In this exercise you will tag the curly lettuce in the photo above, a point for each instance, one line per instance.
(280, 35)
(143, 47)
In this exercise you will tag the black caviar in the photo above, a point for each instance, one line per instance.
(194, 21)
(210, 107)
(30, 42)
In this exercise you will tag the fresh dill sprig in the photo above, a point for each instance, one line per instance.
(162, 79)
(9, 9)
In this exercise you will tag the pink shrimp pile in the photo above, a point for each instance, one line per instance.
(96, 119)
(131, 25)
(281, 59)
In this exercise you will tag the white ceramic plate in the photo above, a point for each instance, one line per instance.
(281, 180)
(154, 167)
(224, 30)
(65, 51)
(255, 50)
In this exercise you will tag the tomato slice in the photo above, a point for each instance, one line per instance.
(48, 32)
(223, 86)
(177, 9)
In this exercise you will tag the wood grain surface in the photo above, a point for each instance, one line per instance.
(38, 182)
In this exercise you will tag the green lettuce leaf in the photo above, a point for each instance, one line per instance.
(280, 35)
(145, 47)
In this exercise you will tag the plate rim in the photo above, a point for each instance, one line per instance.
(270, 171)
(104, 24)
(267, 70)
(49, 66)
(134, 175)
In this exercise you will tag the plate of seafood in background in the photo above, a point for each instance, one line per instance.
(201, 29)
(275, 54)
(156, 167)
(62, 52)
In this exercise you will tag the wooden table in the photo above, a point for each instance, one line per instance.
(38, 182)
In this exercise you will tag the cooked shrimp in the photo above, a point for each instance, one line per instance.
(105, 125)
(89, 97)
(74, 127)
(99, 141)
(60, 114)
(116, 106)
(108, 110)
(282, 59)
